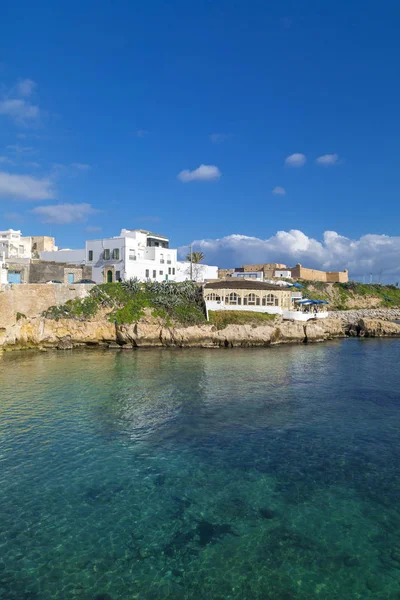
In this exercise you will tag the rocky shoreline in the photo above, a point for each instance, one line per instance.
(353, 316)
(41, 333)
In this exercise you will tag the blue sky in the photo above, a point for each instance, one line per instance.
(104, 105)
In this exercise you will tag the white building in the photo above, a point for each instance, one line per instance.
(198, 272)
(286, 273)
(134, 253)
(257, 275)
(14, 245)
(3, 270)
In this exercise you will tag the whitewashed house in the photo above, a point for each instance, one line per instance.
(14, 245)
(134, 253)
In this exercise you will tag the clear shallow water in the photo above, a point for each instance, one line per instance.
(239, 474)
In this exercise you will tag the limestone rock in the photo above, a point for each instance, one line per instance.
(377, 328)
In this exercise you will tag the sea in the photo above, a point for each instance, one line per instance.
(180, 474)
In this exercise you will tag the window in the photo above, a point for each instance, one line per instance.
(251, 300)
(161, 272)
(169, 270)
(168, 259)
(270, 300)
(117, 275)
(162, 261)
(106, 254)
(115, 254)
(147, 274)
(90, 255)
(154, 274)
(156, 244)
(132, 257)
(233, 299)
(173, 270)
(213, 297)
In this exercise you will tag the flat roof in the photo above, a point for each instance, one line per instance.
(149, 233)
(242, 284)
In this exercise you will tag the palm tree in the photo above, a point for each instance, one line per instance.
(195, 257)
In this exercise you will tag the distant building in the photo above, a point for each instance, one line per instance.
(300, 272)
(258, 275)
(279, 271)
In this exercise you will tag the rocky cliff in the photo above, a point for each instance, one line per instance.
(42, 333)
(39, 332)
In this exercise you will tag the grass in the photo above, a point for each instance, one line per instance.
(180, 303)
(223, 318)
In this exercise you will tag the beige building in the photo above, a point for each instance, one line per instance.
(279, 271)
(42, 243)
(246, 293)
(300, 272)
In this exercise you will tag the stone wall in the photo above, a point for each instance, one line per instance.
(42, 271)
(31, 300)
(300, 272)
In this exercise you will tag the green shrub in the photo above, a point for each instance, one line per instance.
(180, 302)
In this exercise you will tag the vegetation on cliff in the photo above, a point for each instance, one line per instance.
(126, 302)
(342, 296)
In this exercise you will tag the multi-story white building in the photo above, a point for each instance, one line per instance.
(134, 253)
(14, 245)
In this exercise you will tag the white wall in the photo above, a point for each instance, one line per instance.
(286, 274)
(200, 272)
(3, 270)
(75, 257)
(258, 275)
(300, 316)
(214, 305)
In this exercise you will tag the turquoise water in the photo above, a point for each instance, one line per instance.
(268, 474)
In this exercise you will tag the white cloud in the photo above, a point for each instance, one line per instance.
(141, 133)
(279, 191)
(25, 187)
(218, 138)
(18, 149)
(25, 87)
(370, 253)
(202, 173)
(63, 214)
(20, 110)
(13, 216)
(81, 166)
(327, 160)
(295, 160)
(92, 229)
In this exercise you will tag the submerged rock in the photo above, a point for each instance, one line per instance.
(210, 532)
(267, 513)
